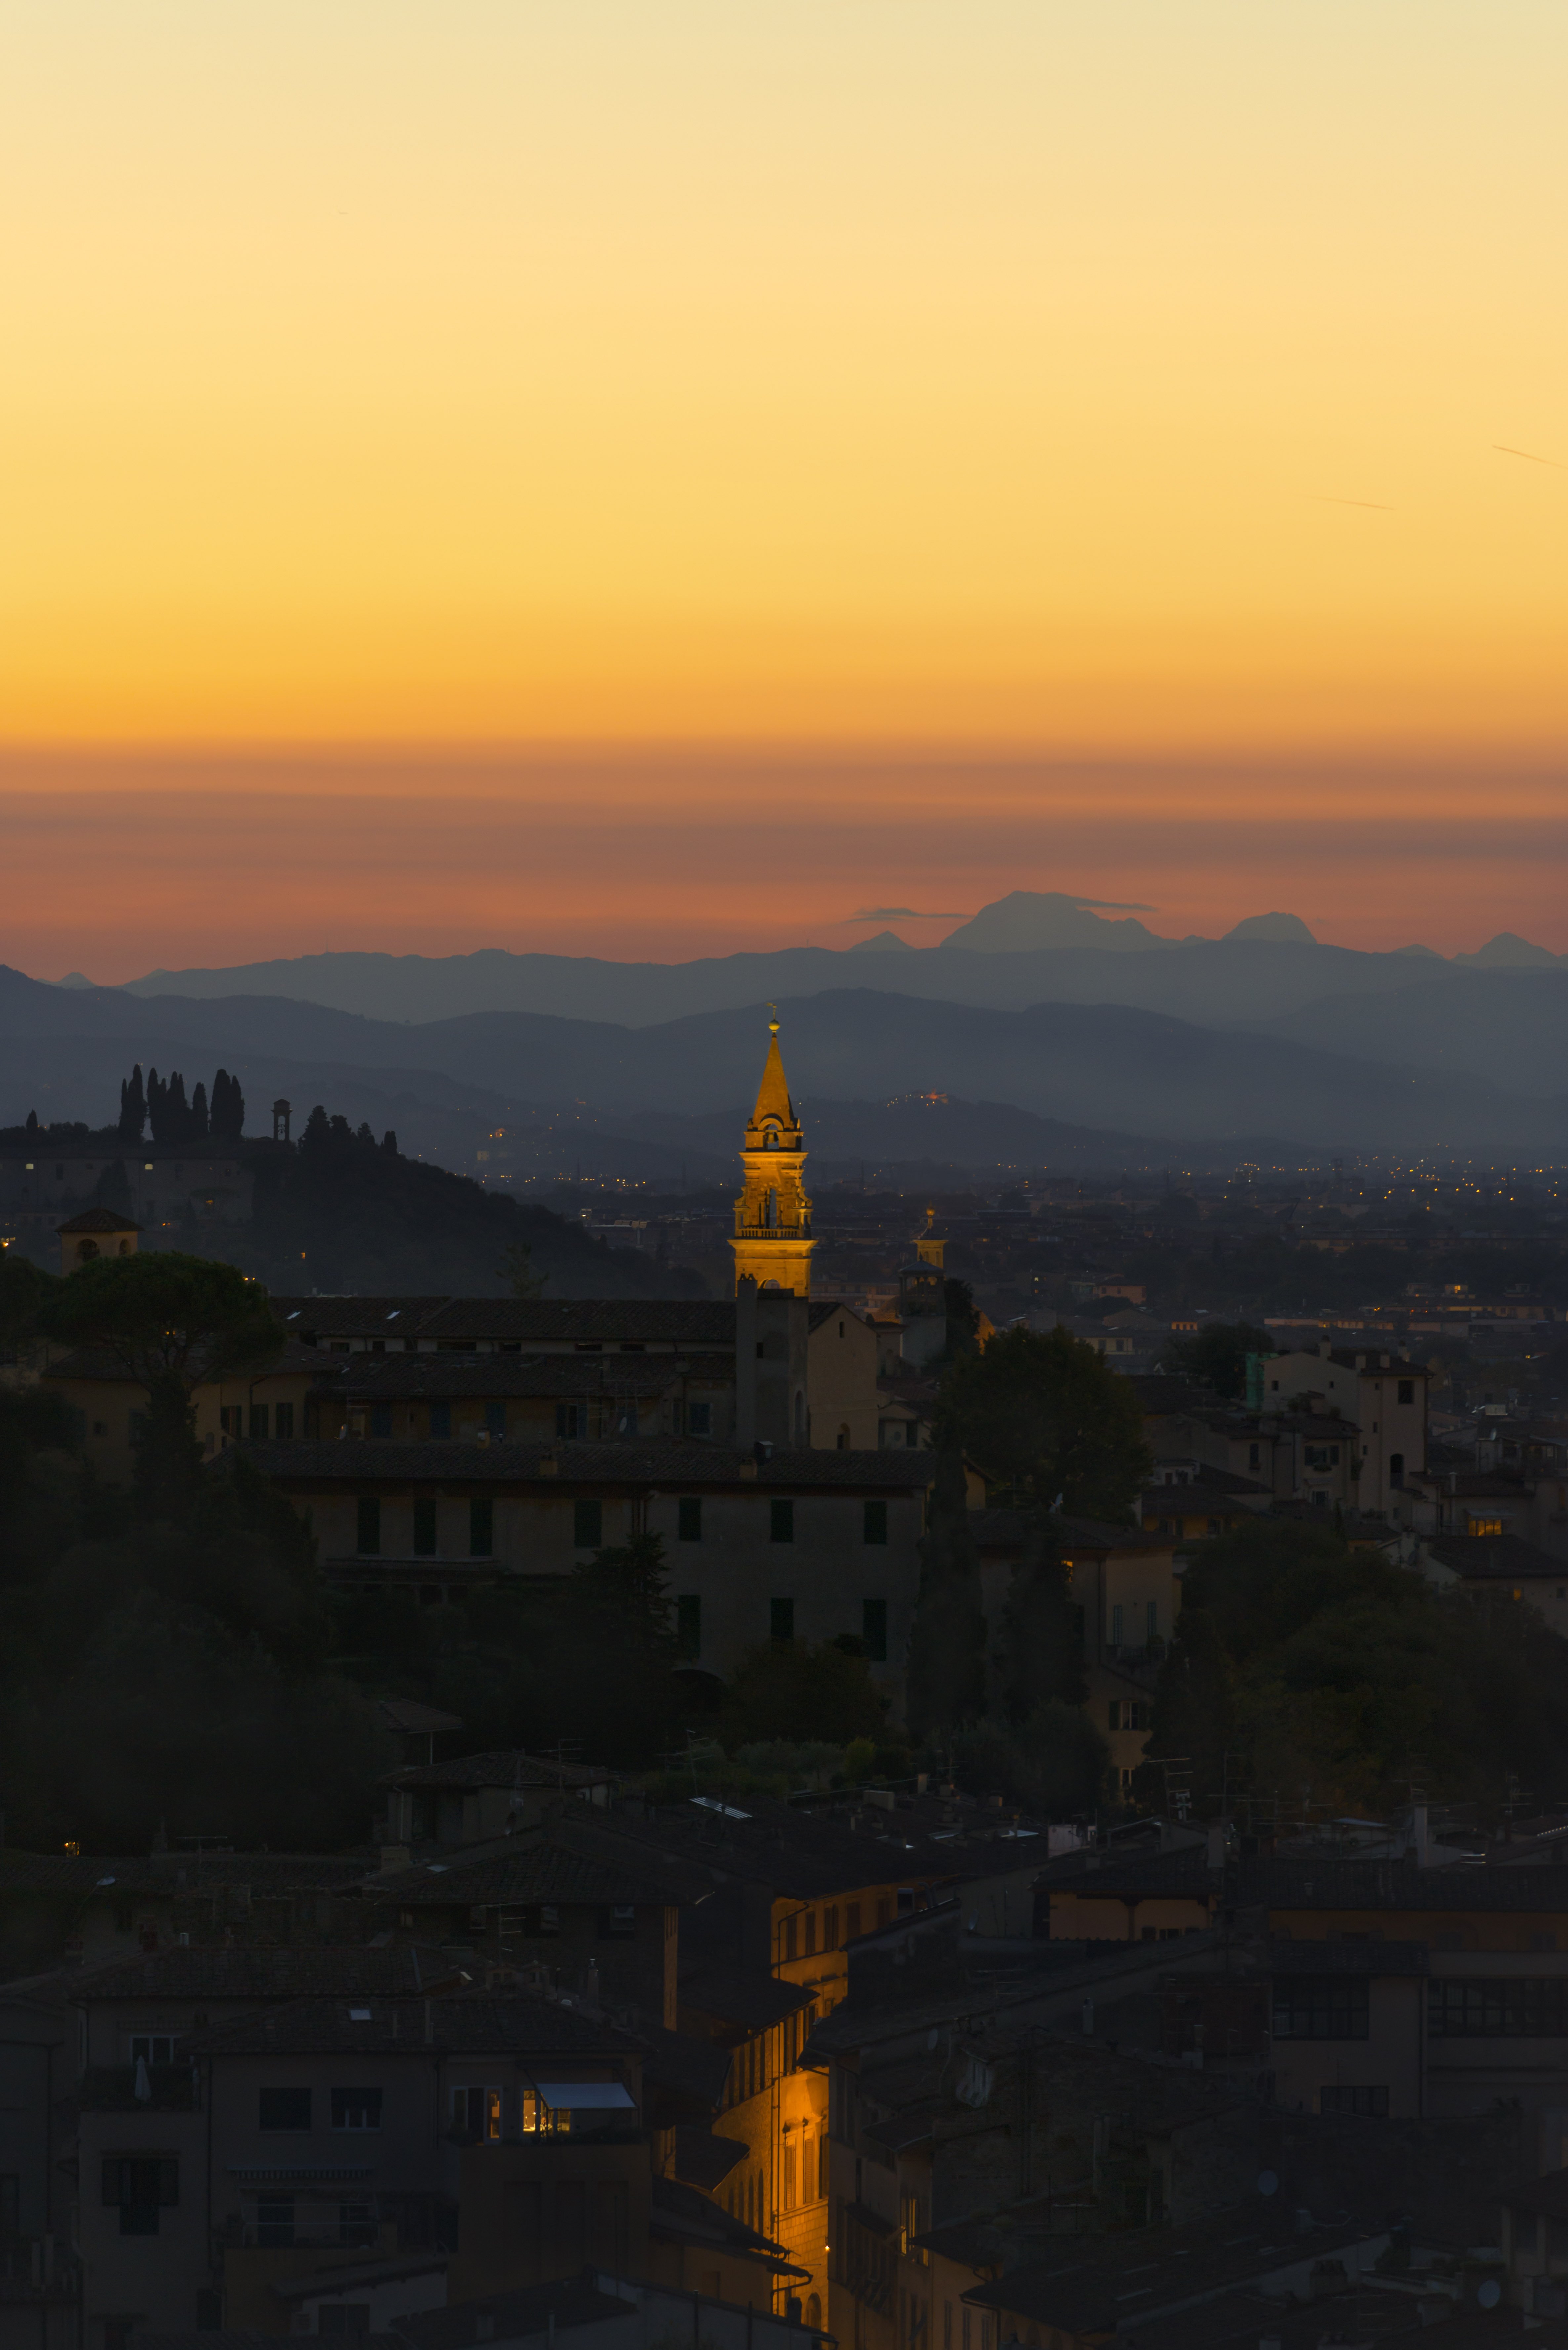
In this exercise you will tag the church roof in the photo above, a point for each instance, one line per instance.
(773, 1093)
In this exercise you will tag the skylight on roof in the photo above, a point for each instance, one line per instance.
(359, 2016)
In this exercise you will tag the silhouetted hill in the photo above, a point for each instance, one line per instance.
(341, 1213)
(1511, 1025)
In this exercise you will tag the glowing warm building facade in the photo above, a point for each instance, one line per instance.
(773, 1241)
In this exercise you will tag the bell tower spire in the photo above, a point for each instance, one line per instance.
(773, 1241)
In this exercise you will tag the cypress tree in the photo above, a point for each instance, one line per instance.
(227, 1113)
(946, 1644)
(155, 1106)
(132, 1107)
(176, 1108)
(1195, 1714)
(199, 1113)
(389, 1143)
(32, 1121)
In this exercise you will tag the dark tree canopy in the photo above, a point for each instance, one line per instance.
(789, 1690)
(1304, 1674)
(947, 1642)
(1042, 1414)
(171, 1667)
(168, 1317)
(1040, 1657)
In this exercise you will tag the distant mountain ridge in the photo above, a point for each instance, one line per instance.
(1119, 1067)
(1030, 947)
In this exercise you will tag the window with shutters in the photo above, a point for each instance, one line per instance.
(1320, 2007)
(689, 1518)
(142, 2185)
(588, 1523)
(481, 1526)
(356, 2109)
(476, 2115)
(1371, 2103)
(284, 2109)
(1520, 2007)
(367, 1530)
(780, 1521)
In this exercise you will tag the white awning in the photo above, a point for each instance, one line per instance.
(583, 2095)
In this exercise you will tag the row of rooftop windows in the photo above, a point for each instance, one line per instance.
(588, 1523)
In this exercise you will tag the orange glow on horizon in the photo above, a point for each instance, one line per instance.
(206, 859)
(651, 482)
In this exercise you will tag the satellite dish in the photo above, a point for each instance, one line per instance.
(1268, 2183)
(1490, 2293)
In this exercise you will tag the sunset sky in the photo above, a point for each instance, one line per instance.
(638, 479)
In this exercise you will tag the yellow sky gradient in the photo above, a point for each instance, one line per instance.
(1123, 375)
(1069, 438)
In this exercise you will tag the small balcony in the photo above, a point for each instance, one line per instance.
(1143, 1657)
(283, 2235)
(141, 2088)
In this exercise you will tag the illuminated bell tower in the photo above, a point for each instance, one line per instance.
(773, 1241)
